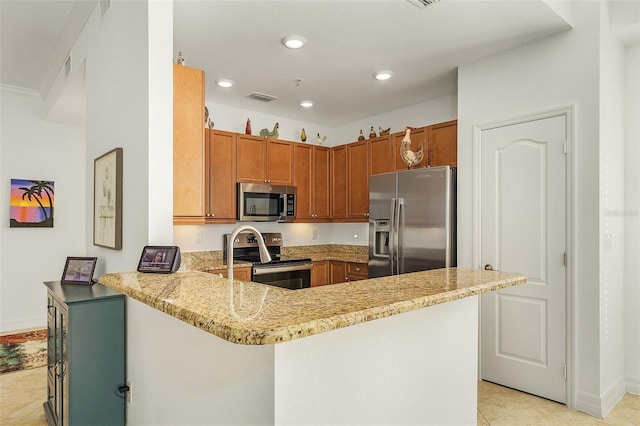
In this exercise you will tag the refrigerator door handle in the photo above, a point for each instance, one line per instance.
(392, 237)
(396, 224)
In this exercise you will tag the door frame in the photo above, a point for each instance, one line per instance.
(568, 112)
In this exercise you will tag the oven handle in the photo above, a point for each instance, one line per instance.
(275, 269)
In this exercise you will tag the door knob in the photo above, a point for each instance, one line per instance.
(488, 267)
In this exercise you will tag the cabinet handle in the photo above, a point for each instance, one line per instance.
(357, 269)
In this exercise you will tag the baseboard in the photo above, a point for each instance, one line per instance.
(26, 323)
(588, 403)
(613, 395)
(600, 406)
(633, 384)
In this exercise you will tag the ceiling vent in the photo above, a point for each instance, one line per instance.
(422, 3)
(262, 97)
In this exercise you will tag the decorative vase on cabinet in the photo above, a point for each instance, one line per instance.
(85, 355)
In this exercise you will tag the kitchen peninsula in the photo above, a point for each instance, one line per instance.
(311, 356)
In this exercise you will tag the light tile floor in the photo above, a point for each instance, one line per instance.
(23, 392)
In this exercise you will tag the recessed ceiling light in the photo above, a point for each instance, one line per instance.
(383, 75)
(293, 41)
(223, 82)
(306, 104)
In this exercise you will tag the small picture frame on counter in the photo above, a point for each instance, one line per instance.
(160, 259)
(79, 270)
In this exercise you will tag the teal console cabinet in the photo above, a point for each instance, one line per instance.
(86, 355)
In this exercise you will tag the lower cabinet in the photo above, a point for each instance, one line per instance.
(241, 274)
(341, 272)
(320, 273)
(85, 355)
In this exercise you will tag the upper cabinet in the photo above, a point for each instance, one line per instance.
(220, 150)
(188, 145)
(263, 160)
(339, 183)
(358, 181)
(312, 180)
(380, 155)
(443, 144)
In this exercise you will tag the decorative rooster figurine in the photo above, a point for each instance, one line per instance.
(273, 134)
(408, 156)
(383, 132)
(321, 139)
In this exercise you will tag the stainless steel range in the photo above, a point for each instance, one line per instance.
(283, 271)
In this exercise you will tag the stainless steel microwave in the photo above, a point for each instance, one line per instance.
(262, 202)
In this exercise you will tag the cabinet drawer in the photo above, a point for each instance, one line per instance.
(358, 269)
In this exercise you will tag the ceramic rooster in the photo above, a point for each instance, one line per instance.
(408, 156)
(321, 139)
(383, 132)
(273, 134)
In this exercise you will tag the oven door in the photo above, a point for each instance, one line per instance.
(292, 276)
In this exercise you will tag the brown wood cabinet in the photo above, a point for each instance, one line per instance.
(419, 138)
(263, 160)
(380, 155)
(320, 273)
(339, 182)
(337, 272)
(358, 181)
(188, 145)
(312, 178)
(341, 272)
(220, 151)
(356, 271)
(242, 274)
(443, 144)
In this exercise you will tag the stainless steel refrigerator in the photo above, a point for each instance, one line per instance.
(412, 221)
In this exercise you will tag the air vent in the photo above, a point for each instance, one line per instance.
(422, 3)
(262, 97)
(67, 66)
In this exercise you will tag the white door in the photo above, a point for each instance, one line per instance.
(522, 207)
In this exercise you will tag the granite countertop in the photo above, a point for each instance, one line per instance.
(257, 314)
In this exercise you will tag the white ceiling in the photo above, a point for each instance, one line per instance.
(348, 40)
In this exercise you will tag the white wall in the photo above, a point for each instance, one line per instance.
(612, 382)
(632, 219)
(559, 70)
(32, 148)
(129, 104)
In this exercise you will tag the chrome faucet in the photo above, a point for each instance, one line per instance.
(265, 257)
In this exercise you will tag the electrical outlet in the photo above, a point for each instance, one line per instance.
(314, 234)
(130, 394)
(355, 234)
(199, 237)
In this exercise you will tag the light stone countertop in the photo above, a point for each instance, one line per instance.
(257, 314)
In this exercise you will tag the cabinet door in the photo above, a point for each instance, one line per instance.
(339, 182)
(321, 182)
(419, 140)
(251, 152)
(380, 157)
(221, 172)
(320, 273)
(241, 274)
(337, 271)
(443, 144)
(279, 162)
(358, 180)
(188, 142)
(303, 180)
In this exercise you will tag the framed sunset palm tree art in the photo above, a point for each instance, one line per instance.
(31, 203)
